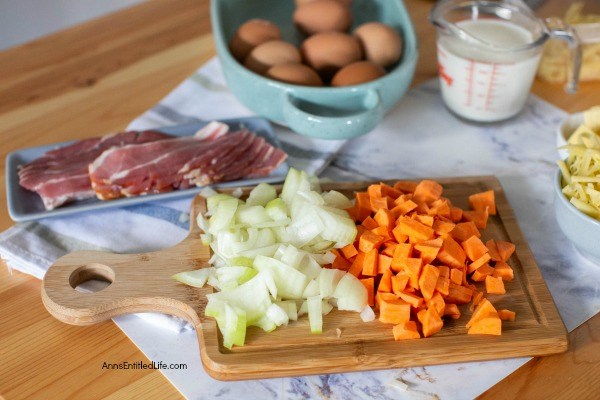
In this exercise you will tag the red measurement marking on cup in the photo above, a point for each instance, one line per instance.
(492, 84)
(470, 74)
(447, 78)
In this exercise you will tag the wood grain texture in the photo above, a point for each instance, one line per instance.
(48, 112)
(142, 283)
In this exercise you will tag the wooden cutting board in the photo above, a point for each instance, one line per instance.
(142, 283)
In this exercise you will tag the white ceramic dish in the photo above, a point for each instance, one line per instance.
(565, 130)
(582, 230)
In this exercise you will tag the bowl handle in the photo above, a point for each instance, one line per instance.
(336, 124)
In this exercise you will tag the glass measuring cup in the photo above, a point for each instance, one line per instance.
(488, 53)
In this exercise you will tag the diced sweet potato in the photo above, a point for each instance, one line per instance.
(486, 326)
(407, 330)
(504, 271)
(482, 201)
(432, 323)
(394, 311)
(474, 248)
(369, 284)
(494, 285)
(451, 253)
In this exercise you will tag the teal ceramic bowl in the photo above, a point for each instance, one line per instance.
(581, 229)
(321, 112)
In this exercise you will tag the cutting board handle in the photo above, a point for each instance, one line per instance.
(137, 282)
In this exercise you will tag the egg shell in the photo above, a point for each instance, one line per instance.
(328, 52)
(357, 73)
(347, 3)
(250, 34)
(268, 54)
(323, 16)
(381, 43)
(296, 74)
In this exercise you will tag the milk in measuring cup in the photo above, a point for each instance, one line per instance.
(482, 84)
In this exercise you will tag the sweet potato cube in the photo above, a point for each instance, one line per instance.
(405, 331)
(432, 322)
(370, 263)
(369, 223)
(478, 263)
(444, 271)
(379, 296)
(443, 285)
(474, 248)
(387, 190)
(482, 201)
(427, 191)
(415, 229)
(384, 232)
(384, 217)
(486, 326)
(479, 218)
(399, 282)
(411, 298)
(505, 249)
(404, 207)
(429, 249)
(385, 284)
(377, 203)
(369, 284)
(424, 219)
(383, 263)
(464, 230)
(394, 311)
(412, 267)
(493, 250)
(484, 309)
(451, 253)
(452, 311)
(456, 276)
(442, 228)
(374, 190)
(436, 301)
(341, 263)
(401, 252)
(482, 273)
(507, 315)
(363, 199)
(389, 248)
(459, 294)
(405, 186)
(494, 285)
(400, 238)
(349, 251)
(504, 271)
(357, 265)
(370, 241)
(456, 214)
(428, 281)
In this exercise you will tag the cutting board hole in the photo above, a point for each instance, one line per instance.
(92, 278)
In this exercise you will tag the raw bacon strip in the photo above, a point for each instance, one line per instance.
(181, 163)
(61, 175)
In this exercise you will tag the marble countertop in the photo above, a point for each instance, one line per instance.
(520, 152)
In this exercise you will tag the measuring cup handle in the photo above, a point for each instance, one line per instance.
(558, 29)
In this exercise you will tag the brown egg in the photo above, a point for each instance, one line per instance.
(347, 3)
(327, 52)
(381, 43)
(323, 16)
(357, 73)
(250, 35)
(296, 74)
(268, 54)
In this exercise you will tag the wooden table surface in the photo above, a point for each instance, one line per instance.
(95, 78)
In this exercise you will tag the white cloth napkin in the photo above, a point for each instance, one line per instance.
(32, 247)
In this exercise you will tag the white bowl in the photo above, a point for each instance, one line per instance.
(565, 130)
(581, 229)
